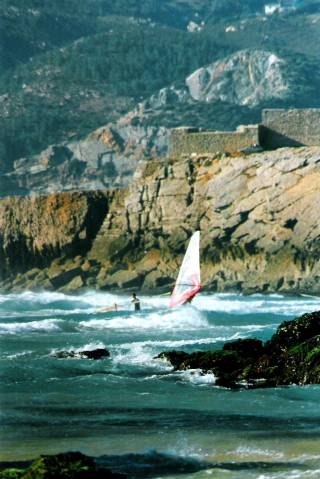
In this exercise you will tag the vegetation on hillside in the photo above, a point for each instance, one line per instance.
(68, 91)
(68, 67)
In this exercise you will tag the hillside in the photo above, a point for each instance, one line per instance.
(31, 27)
(70, 67)
(70, 91)
(219, 96)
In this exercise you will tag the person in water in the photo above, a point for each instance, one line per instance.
(109, 308)
(136, 301)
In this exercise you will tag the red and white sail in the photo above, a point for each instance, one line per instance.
(188, 282)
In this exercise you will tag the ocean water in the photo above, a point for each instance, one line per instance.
(133, 411)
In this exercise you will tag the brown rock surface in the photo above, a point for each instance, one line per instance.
(35, 230)
(258, 217)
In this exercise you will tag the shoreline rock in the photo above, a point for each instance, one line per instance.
(100, 353)
(69, 465)
(291, 356)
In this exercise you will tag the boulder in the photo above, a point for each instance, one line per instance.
(99, 353)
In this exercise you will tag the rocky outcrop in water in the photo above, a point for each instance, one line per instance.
(69, 465)
(257, 215)
(291, 356)
(100, 353)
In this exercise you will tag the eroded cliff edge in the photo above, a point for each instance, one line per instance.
(258, 215)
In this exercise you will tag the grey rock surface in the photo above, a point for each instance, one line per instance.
(247, 77)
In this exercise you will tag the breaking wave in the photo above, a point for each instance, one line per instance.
(46, 325)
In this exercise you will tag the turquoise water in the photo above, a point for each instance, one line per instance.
(132, 409)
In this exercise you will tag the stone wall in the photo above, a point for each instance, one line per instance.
(185, 141)
(296, 127)
(279, 128)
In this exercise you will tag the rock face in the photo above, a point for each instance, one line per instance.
(247, 77)
(292, 356)
(257, 215)
(35, 230)
(107, 158)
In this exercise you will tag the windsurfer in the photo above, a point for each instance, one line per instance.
(109, 308)
(136, 302)
(189, 300)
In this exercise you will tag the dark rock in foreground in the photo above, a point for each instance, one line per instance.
(69, 465)
(291, 356)
(99, 353)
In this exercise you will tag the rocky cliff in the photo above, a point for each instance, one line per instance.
(257, 215)
(104, 159)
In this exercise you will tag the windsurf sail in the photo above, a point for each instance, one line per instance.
(188, 282)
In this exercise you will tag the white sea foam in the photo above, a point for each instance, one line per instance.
(143, 352)
(87, 347)
(273, 304)
(42, 312)
(138, 355)
(249, 452)
(175, 319)
(196, 376)
(17, 355)
(293, 474)
(33, 297)
(174, 343)
(92, 301)
(47, 325)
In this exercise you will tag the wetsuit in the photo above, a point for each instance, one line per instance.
(136, 302)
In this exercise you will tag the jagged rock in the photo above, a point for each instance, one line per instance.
(99, 353)
(86, 266)
(123, 279)
(156, 279)
(33, 273)
(292, 356)
(246, 348)
(74, 285)
(64, 278)
(107, 158)
(246, 77)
